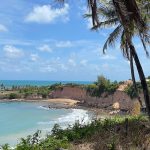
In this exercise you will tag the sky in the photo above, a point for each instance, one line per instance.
(42, 41)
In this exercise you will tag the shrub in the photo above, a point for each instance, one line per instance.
(13, 96)
(5, 147)
(56, 86)
(102, 85)
(131, 91)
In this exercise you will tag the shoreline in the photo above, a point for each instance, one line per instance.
(57, 103)
(65, 119)
(63, 103)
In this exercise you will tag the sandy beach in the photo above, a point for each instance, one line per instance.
(65, 101)
(51, 103)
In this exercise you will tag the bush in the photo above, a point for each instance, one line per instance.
(13, 96)
(102, 85)
(36, 143)
(131, 91)
(56, 86)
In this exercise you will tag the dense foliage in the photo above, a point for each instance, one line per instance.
(40, 91)
(102, 85)
(130, 90)
(13, 96)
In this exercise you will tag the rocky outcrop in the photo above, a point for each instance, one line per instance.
(105, 101)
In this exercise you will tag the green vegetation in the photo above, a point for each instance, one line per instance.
(102, 85)
(42, 91)
(131, 91)
(13, 96)
(106, 134)
(26, 92)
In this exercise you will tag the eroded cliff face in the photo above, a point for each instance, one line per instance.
(69, 92)
(105, 101)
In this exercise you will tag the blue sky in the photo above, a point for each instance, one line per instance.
(38, 42)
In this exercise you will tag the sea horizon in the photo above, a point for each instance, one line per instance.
(10, 83)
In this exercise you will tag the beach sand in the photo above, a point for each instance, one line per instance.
(50, 103)
(64, 101)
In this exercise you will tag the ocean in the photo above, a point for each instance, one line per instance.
(19, 119)
(10, 83)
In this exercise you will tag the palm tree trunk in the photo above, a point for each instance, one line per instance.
(133, 78)
(142, 78)
(132, 71)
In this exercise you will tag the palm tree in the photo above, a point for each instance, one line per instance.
(126, 15)
(132, 18)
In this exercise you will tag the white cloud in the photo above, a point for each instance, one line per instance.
(63, 44)
(45, 48)
(48, 68)
(46, 14)
(105, 66)
(83, 62)
(34, 57)
(3, 28)
(72, 62)
(108, 57)
(96, 68)
(63, 67)
(12, 52)
(8, 41)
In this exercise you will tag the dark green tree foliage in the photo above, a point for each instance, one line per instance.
(102, 85)
(135, 93)
(131, 91)
(13, 96)
(35, 142)
(56, 86)
(29, 90)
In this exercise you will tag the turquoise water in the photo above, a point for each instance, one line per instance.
(9, 83)
(19, 119)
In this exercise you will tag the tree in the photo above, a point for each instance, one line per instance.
(130, 23)
(132, 19)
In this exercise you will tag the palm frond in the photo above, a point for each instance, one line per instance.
(107, 23)
(124, 46)
(107, 12)
(144, 42)
(92, 4)
(112, 37)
